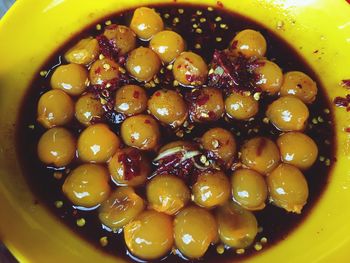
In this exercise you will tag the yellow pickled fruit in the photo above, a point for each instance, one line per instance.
(130, 100)
(87, 185)
(55, 108)
(241, 107)
(288, 188)
(122, 37)
(190, 69)
(300, 85)
(129, 167)
(84, 52)
(194, 230)
(288, 114)
(297, 149)
(57, 147)
(97, 143)
(249, 189)
(167, 193)
(270, 76)
(260, 154)
(249, 43)
(169, 107)
(208, 105)
(211, 189)
(88, 109)
(71, 78)
(122, 206)
(237, 227)
(103, 71)
(168, 45)
(149, 235)
(146, 23)
(143, 63)
(221, 143)
(141, 131)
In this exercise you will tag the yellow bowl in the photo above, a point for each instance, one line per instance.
(31, 32)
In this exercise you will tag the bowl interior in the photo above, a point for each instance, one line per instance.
(34, 32)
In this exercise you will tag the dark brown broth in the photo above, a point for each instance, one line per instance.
(276, 223)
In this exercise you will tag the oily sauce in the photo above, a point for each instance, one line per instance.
(217, 27)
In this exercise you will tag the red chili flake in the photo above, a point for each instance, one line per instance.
(111, 27)
(98, 70)
(341, 102)
(212, 115)
(219, 4)
(348, 128)
(348, 1)
(346, 82)
(261, 146)
(299, 86)
(136, 94)
(147, 121)
(157, 94)
(234, 44)
(348, 108)
(131, 162)
(108, 47)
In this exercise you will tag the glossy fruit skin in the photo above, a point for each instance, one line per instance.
(55, 108)
(168, 45)
(56, 147)
(190, 69)
(88, 109)
(122, 206)
(270, 76)
(146, 23)
(249, 43)
(167, 193)
(194, 230)
(249, 189)
(150, 235)
(237, 227)
(168, 107)
(297, 149)
(260, 154)
(71, 78)
(128, 166)
(300, 85)
(221, 143)
(288, 113)
(288, 188)
(141, 131)
(241, 107)
(130, 100)
(211, 189)
(143, 64)
(84, 52)
(97, 143)
(87, 185)
(104, 71)
(208, 106)
(122, 37)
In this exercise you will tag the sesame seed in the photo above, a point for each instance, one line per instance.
(256, 95)
(176, 20)
(220, 249)
(207, 163)
(98, 27)
(202, 20)
(156, 80)
(103, 101)
(175, 83)
(223, 26)
(211, 71)
(194, 25)
(218, 39)
(246, 93)
(266, 120)
(263, 240)
(58, 204)
(199, 31)
(240, 251)
(43, 73)
(106, 66)
(280, 24)
(181, 11)
(203, 159)
(215, 144)
(260, 229)
(199, 12)
(101, 56)
(57, 175)
(197, 46)
(210, 9)
(327, 162)
(258, 246)
(193, 19)
(108, 22)
(122, 70)
(104, 241)
(31, 126)
(218, 19)
(327, 111)
(320, 119)
(81, 222)
(322, 158)
(108, 85)
(169, 67)
(314, 121)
